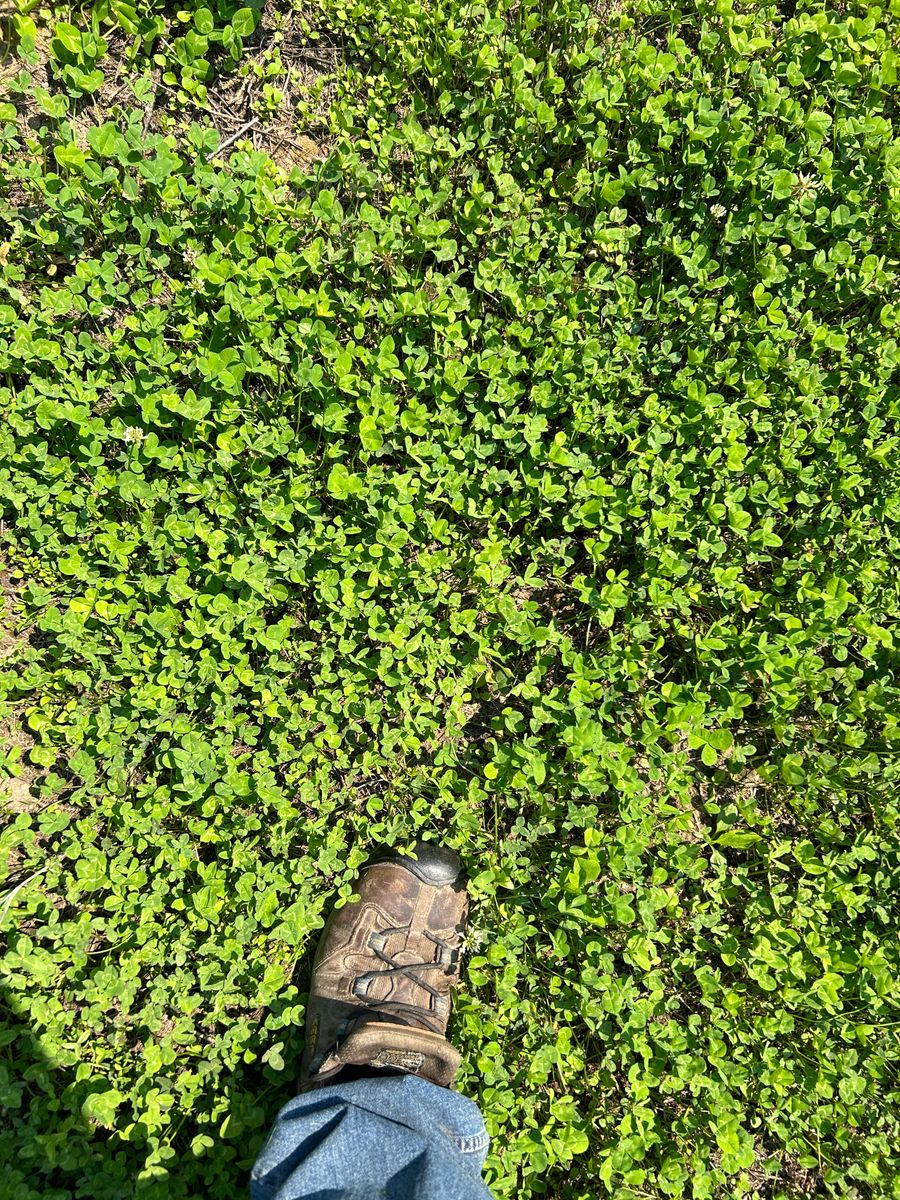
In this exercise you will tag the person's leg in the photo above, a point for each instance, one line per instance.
(376, 1116)
(397, 1138)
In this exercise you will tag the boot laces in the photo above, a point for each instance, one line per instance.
(445, 962)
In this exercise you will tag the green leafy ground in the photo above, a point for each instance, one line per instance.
(519, 465)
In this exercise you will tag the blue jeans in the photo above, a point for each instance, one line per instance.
(396, 1138)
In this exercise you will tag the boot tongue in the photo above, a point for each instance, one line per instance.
(374, 1043)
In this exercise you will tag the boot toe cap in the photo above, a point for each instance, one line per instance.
(433, 864)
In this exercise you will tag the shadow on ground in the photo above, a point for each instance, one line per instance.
(51, 1148)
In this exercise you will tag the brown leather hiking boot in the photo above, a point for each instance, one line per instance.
(380, 990)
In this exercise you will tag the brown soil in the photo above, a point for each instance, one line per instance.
(15, 792)
(236, 103)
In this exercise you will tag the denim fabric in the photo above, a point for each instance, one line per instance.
(397, 1138)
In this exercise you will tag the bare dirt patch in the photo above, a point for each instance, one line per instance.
(278, 97)
(16, 791)
(9, 641)
(790, 1177)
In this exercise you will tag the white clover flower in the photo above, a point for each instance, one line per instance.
(805, 186)
(474, 940)
(719, 212)
(133, 435)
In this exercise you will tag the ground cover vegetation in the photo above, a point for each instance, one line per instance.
(478, 419)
